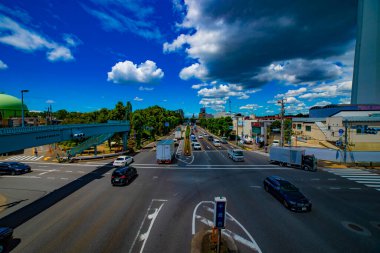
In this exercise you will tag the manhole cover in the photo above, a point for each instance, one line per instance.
(356, 228)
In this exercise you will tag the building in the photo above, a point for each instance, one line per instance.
(10, 110)
(366, 78)
(330, 110)
(180, 112)
(360, 129)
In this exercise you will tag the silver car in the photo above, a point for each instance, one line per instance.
(123, 161)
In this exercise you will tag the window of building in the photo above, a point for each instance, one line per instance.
(308, 128)
(294, 126)
(359, 131)
(329, 127)
(332, 133)
(299, 126)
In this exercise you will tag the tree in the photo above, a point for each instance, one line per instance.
(128, 111)
(119, 112)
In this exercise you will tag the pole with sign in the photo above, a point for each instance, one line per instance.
(220, 217)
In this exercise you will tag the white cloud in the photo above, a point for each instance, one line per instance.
(345, 100)
(19, 37)
(296, 71)
(225, 91)
(50, 101)
(142, 88)
(217, 104)
(128, 72)
(250, 107)
(198, 86)
(138, 99)
(176, 44)
(3, 65)
(269, 111)
(71, 40)
(322, 103)
(195, 70)
(292, 93)
(330, 90)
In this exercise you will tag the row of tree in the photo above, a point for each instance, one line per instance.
(219, 126)
(146, 124)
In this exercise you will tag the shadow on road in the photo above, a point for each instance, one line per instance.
(27, 212)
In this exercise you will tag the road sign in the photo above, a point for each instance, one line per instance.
(220, 212)
(166, 124)
(231, 127)
(341, 131)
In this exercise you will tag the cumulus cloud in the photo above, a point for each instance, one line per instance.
(50, 101)
(22, 38)
(217, 104)
(198, 86)
(329, 90)
(127, 72)
(195, 70)
(243, 41)
(322, 103)
(225, 91)
(300, 71)
(3, 65)
(250, 107)
(138, 99)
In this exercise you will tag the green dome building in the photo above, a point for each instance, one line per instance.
(10, 107)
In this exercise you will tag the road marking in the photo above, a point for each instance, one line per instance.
(334, 188)
(69, 171)
(152, 217)
(51, 178)
(355, 188)
(21, 176)
(214, 168)
(41, 166)
(331, 179)
(43, 173)
(315, 179)
(367, 178)
(64, 178)
(251, 244)
(255, 186)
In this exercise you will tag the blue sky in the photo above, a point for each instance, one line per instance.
(89, 54)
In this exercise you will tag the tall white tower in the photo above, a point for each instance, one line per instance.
(366, 79)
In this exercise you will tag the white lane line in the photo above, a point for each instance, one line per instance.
(369, 177)
(355, 188)
(69, 171)
(143, 222)
(43, 173)
(365, 179)
(255, 186)
(334, 188)
(194, 213)
(64, 178)
(213, 168)
(21, 176)
(373, 185)
(41, 166)
(315, 179)
(152, 217)
(51, 178)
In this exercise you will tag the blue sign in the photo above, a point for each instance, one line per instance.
(341, 131)
(166, 124)
(220, 212)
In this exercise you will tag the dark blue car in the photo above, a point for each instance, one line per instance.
(14, 168)
(287, 193)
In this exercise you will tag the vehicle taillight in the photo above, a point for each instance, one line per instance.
(123, 176)
(113, 177)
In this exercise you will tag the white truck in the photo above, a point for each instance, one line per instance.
(294, 157)
(165, 151)
(178, 133)
(236, 154)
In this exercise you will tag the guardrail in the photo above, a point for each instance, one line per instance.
(20, 130)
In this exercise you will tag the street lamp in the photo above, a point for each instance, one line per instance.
(22, 106)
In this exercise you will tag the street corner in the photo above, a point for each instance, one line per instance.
(235, 234)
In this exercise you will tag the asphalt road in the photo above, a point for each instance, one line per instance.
(74, 208)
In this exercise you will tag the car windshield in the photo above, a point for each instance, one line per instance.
(238, 153)
(120, 159)
(286, 186)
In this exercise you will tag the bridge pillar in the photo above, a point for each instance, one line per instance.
(125, 141)
(95, 150)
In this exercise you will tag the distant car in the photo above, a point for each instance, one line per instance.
(123, 161)
(14, 168)
(223, 140)
(236, 154)
(276, 143)
(197, 146)
(210, 138)
(287, 193)
(216, 143)
(200, 136)
(123, 175)
(6, 236)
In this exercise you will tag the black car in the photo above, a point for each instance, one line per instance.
(6, 235)
(210, 138)
(287, 193)
(123, 175)
(14, 168)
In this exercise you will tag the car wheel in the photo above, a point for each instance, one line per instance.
(286, 204)
(266, 188)
(306, 168)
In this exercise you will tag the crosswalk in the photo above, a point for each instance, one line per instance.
(24, 158)
(367, 178)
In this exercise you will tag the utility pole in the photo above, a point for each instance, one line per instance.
(282, 102)
(345, 141)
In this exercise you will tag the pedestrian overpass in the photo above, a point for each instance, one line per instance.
(18, 138)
